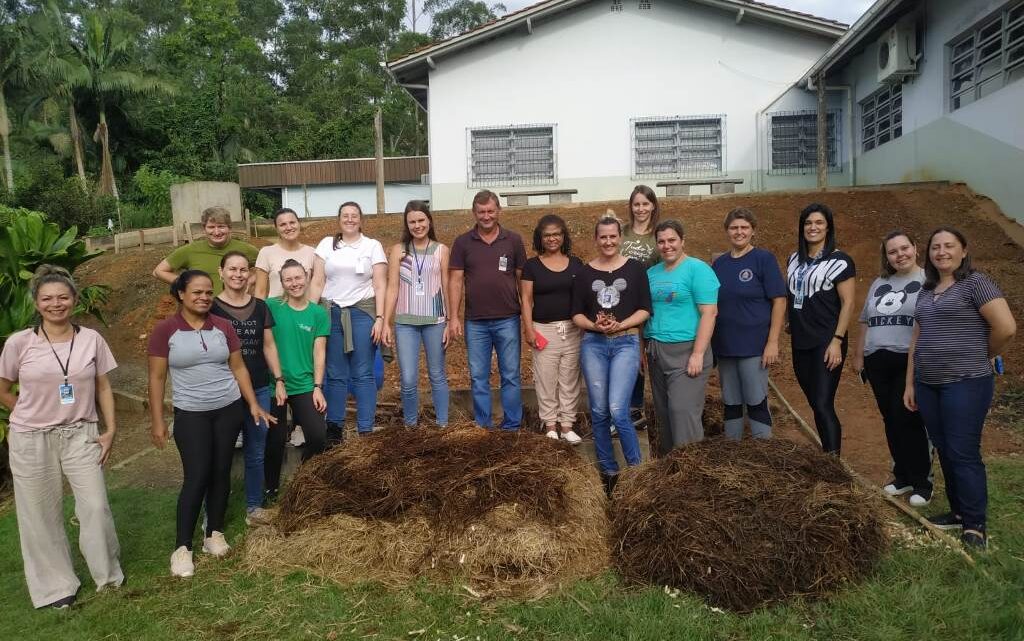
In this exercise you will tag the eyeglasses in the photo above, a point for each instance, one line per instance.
(557, 234)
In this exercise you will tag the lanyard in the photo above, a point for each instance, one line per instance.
(419, 263)
(63, 366)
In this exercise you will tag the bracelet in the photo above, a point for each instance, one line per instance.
(839, 337)
(378, 316)
(318, 386)
(279, 379)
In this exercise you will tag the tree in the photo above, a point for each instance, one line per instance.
(451, 17)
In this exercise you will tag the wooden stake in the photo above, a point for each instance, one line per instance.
(378, 132)
(822, 135)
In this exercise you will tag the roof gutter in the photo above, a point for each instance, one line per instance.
(876, 12)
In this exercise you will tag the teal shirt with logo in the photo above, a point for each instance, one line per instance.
(675, 296)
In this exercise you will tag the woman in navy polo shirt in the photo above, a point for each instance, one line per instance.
(752, 309)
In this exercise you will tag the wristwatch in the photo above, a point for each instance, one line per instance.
(318, 386)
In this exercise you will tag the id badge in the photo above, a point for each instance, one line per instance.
(798, 301)
(503, 264)
(67, 394)
(420, 291)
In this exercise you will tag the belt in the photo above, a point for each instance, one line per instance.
(624, 332)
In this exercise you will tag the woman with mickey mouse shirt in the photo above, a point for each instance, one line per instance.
(880, 355)
(611, 300)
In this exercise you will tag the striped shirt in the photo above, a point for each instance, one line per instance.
(420, 300)
(953, 340)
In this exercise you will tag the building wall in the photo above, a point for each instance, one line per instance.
(981, 144)
(323, 200)
(589, 71)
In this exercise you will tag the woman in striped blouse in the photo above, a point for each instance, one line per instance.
(961, 322)
(416, 295)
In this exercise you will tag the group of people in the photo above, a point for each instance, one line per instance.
(251, 340)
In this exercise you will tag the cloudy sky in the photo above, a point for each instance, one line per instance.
(842, 10)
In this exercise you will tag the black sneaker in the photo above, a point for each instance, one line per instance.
(63, 604)
(269, 497)
(335, 434)
(947, 521)
(974, 539)
(897, 487)
(637, 417)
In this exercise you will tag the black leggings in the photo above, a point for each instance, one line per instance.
(904, 430)
(313, 428)
(206, 443)
(819, 385)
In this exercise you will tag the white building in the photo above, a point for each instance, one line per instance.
(315, 188)
(598, 96)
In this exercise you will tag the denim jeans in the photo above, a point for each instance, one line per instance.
(408, 339)
(610, 366)
(254, 444)
(501, 335)
(356, 366)
(954, 414)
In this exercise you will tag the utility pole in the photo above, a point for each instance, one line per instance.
(379, 150)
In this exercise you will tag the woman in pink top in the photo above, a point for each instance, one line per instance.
(61, 371)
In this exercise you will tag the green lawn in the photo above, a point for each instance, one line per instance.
(922, 592)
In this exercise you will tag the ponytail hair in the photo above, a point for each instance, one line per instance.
(46, 274)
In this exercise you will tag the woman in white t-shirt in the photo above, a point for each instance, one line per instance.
(288, 247)
(355, 283)
(61, 370)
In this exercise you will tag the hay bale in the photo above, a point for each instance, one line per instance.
(745, 524)
(507, 514)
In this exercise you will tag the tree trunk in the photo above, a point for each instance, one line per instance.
(379, 153)
(5, 132)
(108, 185)
(822, 134)
(76, 143)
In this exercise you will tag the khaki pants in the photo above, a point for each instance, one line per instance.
(37, 460)
(556, 373)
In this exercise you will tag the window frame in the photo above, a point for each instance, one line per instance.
(833, 120)
(870, 118)
(971, 70)
(513, 155)
(679, 170)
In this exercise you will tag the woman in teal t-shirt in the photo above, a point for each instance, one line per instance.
(300, 330)
(684, 297)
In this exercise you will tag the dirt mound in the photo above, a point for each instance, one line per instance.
(745, 524)
(508, 514)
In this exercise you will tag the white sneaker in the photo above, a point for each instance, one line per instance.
(257, 516)
(552, 434)
(215, 544)
(571, 437)
(181, 562)
(298, 438)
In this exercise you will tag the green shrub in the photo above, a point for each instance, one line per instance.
(8, 214)
(65, 204)
(150, 202)
(98, 231)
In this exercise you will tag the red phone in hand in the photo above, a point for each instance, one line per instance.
(539, 341)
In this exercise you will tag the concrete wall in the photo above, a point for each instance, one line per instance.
(590, 71)
(188, 200)
(981, 144)
(323, 200)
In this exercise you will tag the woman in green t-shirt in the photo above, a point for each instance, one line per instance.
(300, 331)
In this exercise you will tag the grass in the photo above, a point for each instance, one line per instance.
(919, 592)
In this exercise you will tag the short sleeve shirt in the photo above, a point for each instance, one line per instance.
(295, 331)
(675, 296)
(201, 379)
(249, 322)
(272, 257)
(889, 312)
(28, 360)
(552, 291)
(952, 343)
(200, 254)
(749, 284)
(492, 288)
(814, 323)
(348, 268)
(620, 292)
(641, 247)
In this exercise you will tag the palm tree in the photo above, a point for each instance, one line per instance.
(102, 78)
(12, 71)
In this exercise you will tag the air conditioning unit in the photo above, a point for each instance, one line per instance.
(897, 53)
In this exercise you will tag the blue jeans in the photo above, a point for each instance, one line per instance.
(254, 444)
(501, 335)
(610, 367)
(355, 367)
(954, 414)
(408, 339)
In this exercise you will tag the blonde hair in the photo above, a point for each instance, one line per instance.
(216, 214)
(46, 274)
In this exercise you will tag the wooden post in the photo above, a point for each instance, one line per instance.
(822, 135)
(142, 239)
(117, 245)
(305, 199)
(379, 150)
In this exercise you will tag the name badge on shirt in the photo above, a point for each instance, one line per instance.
(503, 264)
(67, 394)
(798, 300)
(420, 291)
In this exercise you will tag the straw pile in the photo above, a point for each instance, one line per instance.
(504, 514)
(745, 524)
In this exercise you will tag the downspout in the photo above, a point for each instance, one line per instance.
(849, 123)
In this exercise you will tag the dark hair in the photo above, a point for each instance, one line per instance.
(538, 233)
(283, 211)
(485, 196)
(180, 283)
(740, 213)
(347, 203)
(232, 254)
(830, 235)
(608, 220)
(887, 269)
(649, 194)
(46, 274)
(931, 274)
(416, 205)
(672, 224)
